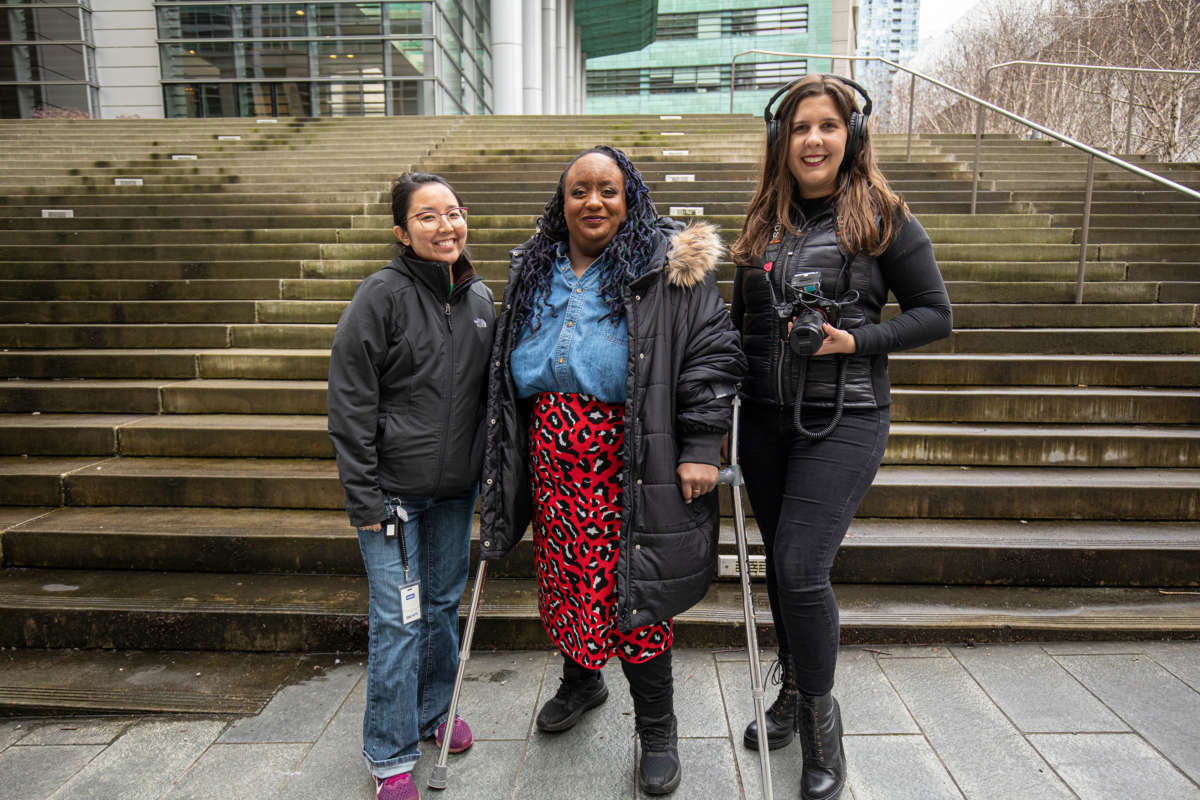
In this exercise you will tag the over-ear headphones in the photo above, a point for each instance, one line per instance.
(857, 129)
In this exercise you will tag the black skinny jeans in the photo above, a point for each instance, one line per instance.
(804, 493)
(650, 683)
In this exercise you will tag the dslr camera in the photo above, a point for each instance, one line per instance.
(809, 309)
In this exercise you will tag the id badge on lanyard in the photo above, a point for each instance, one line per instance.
(410, 589)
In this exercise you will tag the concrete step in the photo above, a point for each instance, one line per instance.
(992, 404)
(59, 682)
(183, 269)
(302, 336)
(917, 369)
(998, 552)
(274, 435)
(940, 492)
(204, 289)
(169, 611)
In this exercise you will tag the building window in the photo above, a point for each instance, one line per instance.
(751, 22)
(331, 58)
(47, 61)
(704, 78)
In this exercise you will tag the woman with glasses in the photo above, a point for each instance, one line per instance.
(610, 388)
(406, 397)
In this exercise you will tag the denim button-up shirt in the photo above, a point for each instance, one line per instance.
(573, 351)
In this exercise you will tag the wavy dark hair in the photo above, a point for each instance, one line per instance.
(868, 211)
(624, 259)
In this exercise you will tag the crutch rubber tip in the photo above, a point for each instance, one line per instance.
(437, 778)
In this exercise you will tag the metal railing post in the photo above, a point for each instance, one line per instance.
(1129, 115)
(978, 146)
(912, 90)
(1083, 236)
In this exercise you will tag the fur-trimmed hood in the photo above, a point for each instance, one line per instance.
(694, 252)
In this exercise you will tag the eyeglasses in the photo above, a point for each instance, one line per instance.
(429, 219)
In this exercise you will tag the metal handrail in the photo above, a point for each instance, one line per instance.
(1092, 152)
(1133, 73)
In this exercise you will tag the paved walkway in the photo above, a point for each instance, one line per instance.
(1029, 721)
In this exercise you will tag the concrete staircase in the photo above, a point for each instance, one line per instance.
(167, 481)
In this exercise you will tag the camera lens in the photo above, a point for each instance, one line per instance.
(807, 333)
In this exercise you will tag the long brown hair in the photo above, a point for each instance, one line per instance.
(867, 209)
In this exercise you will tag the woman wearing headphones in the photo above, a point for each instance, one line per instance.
(824, 241)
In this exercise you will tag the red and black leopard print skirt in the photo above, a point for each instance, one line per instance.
(575, 464)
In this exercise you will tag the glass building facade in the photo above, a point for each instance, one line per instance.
(687, 67)
(333, 58)
(47, 59)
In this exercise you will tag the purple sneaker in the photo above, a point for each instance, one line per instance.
(397, 787)
(460, 739)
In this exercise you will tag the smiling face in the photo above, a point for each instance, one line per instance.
(593, 203)
(816, 145)
(443, 241)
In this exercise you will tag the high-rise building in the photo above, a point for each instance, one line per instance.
(687, 69)
(886, 28)
(230, 58)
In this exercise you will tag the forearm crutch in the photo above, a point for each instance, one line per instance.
(732, 475)
(437, 778)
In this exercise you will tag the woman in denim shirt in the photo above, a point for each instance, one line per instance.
(406, 390)
(610, 388)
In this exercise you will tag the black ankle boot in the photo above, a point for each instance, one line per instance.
(579, 689)
(658, 769)
(781, 716)
(820, 726)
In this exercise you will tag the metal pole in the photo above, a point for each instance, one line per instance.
(912, 88)
(732, 82)
(1129, 116)
(437, 777)
(978, 147)
(1083, 236)
(732, 475)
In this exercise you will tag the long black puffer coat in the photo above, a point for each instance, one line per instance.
(684, 365)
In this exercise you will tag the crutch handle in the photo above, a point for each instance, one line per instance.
(729, 476)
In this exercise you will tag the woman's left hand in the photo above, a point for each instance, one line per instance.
(695, 479)
(836, 341)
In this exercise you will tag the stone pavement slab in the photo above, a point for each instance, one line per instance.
(1034, 690)
(77, 731)
(1113, 767)
(923, 723)
(239, 772)
(334, 765)
(1159, 706)
(594, 759)
(32, 773)
(896, 768)
(144, 762)
(987, 756)
(300, 711)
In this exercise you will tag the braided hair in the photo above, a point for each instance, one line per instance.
(625, 258)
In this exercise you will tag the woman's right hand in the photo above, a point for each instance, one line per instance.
(378, 526)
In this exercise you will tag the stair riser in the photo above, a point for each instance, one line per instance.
(855, 563)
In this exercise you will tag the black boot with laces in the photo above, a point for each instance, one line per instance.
(820, 729)
(579, 689)
(781, 716)
(658, 767)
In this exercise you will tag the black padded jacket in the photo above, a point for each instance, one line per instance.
(407, 384)
(684, 364)
(906, 268)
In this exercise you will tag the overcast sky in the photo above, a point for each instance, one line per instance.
(937, 15)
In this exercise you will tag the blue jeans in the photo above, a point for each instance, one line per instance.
(411, 668)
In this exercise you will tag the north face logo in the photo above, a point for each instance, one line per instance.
(479, 323)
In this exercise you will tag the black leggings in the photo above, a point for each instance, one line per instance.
(804, 494)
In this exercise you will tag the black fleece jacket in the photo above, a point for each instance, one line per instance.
(407, 384)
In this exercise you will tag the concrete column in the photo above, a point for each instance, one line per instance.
(507, 59)
(549, 39)
(560, 58)
(572, 46)
(580, 76)
(583, 82)
(531, 15)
